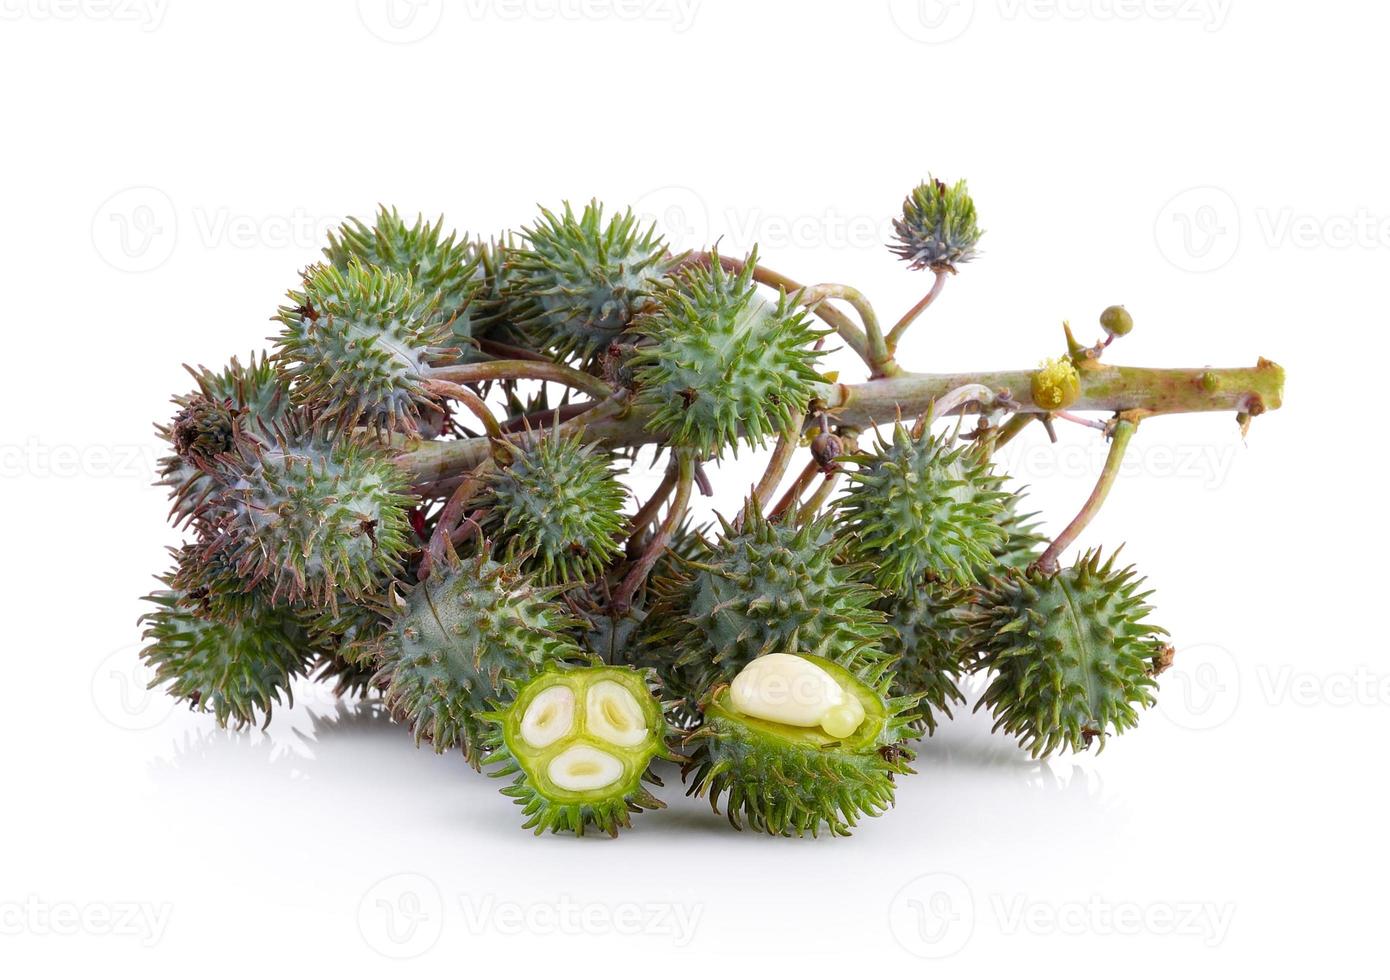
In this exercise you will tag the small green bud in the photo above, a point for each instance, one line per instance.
(1116, 321)
(1056, 384)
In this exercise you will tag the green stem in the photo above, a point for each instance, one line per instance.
(521, 370)
(1119, 441)
(637, 575)
(900, 328)
(1104, 388)
(879, 357)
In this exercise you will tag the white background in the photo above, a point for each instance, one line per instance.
(1217, 166)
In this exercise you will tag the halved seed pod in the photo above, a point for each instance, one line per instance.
(773, 742)
(580, 742)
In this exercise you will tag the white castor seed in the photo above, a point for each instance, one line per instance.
(549, 717)
(612, 714)
(792, 690)
(581, 768)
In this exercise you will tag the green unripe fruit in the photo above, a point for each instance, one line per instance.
(357, 343)
(581, 281)
(1116, 321)
(1072, 655)
(1056, 384)
(442, 268)
(557, 508)
(723, 364)
(580, 742)
(916, 508)
(931, 647)
(794, 780)
(236, 671)
(938, 229)
(256, 398)
(765, 587)
(462, 639)
(311, 517)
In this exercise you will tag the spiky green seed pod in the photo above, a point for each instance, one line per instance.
(446, 267)
(256, 398)
(462, 639)
(724, 364)
(793, 780)
(1072, 655)
(763, 587)
(356, 344)
(312, 517)
(931, 645)
(916, 508)
(581, 280)
(235, 671)
(557, 508)
(580, 742)
(938, 228)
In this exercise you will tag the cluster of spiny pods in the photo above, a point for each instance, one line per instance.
(395, 500)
